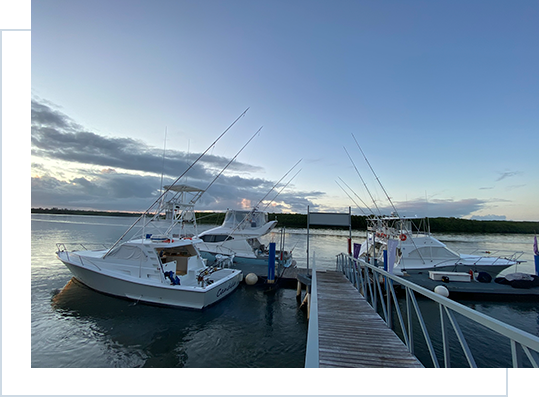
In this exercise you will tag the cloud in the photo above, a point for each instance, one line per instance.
(120, 192)
(444, 207)
(507, 174)
(489, 217)
(434, 207)
(56, 136)
(512, 187)
(124, 174)
(114, 191)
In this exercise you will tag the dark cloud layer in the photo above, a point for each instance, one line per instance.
(56, 136)
(119, 187)
(125, 192)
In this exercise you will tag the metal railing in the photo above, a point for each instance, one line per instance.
(61, 247)
(312, 355)
(94, 246)
(372, 282)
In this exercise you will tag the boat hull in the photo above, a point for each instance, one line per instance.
(492, 270)
(161, 294)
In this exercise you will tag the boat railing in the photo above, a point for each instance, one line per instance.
(78, 246)
(499, 254)
(372, 282)
(88, 261)
(61, 247)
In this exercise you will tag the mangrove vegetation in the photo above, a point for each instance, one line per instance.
(437, 225)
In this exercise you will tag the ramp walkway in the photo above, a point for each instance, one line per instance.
(349, 332)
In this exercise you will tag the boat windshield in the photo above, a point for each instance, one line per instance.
(433, 253)
(245, 218)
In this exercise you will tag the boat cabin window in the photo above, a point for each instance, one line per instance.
(215, 238)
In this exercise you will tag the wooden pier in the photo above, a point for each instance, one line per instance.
(349, 332)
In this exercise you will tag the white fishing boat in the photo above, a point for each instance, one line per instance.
(237, 243)
(155, 265)
(240, 235)
(415, 250)
(153, 269)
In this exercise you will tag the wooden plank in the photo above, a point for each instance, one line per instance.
(351, 333)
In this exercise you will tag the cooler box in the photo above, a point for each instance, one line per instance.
(453, 276)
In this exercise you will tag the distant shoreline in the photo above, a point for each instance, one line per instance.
(437, 225)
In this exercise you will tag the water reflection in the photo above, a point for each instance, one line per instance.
(250, 328)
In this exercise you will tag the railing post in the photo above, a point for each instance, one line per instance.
(389, 284)
(409, 318)
(375, 295)
(445, 338)
(516, 355)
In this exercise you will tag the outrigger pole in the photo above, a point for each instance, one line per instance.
(350, 197)
(263, 198)
(199, 195)
(280, 191)
(274, 186)
(176, 181)
(376, 176)
(364, 184)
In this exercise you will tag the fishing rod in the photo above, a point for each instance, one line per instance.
(274, 186)
(403, 224)
(201, 192)
(364, 184)
(255, 208)
(350, 197)
(199, 195)
(176, 181)
(376, 176)
(352, 190)
(280, 191)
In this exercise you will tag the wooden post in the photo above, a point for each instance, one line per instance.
(298, 291)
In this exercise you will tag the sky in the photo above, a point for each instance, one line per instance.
(427, 108)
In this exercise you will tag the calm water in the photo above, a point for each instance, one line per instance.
(73, 326)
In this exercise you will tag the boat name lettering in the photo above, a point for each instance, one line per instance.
(224, 290)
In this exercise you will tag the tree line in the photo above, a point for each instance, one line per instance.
(359, 222)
